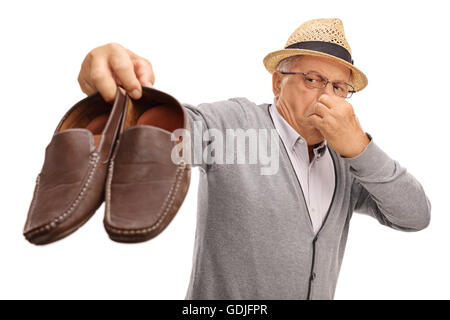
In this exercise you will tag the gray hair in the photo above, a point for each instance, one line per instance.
(285, 65)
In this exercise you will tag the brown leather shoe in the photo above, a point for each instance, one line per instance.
(70, 187)
(145, 188)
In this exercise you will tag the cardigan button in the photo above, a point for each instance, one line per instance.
(313, 276)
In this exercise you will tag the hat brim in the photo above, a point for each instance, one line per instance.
(271, 61)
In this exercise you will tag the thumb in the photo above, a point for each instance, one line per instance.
(358, 123)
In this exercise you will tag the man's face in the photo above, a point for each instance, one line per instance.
(295, 101)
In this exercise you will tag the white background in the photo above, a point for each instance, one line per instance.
(204, 51)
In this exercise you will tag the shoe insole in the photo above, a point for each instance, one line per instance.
(96, 127)
(163, 117)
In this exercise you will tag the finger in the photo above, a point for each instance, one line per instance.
(143, 69)
(133, 55)
(327, 100)
(315, 121)
(86, 87)
(321, 110)
(102, 79)
(123, 68)
(144, 72)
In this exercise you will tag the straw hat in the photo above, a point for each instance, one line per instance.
(322, 38)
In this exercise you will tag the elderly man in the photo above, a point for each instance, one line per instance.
(283, 235)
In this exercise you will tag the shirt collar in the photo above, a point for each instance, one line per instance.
(290, 136)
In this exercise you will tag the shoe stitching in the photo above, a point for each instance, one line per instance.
(94, 158)
(36, 191)
(164, 208)
(108, 188)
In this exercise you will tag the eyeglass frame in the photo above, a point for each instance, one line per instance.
(351, 92)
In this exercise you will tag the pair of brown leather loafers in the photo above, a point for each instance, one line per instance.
(113, 153)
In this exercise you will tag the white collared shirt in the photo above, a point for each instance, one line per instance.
(317, 179)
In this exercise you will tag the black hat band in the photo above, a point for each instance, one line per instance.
(324, 47)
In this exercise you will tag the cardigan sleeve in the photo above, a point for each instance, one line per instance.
(207, 120)
(387, 191)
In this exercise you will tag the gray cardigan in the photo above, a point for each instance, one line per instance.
(254, 238)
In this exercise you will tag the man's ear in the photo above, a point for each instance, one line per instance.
(276, 83)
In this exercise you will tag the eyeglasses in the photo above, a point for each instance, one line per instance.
(317, 81)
